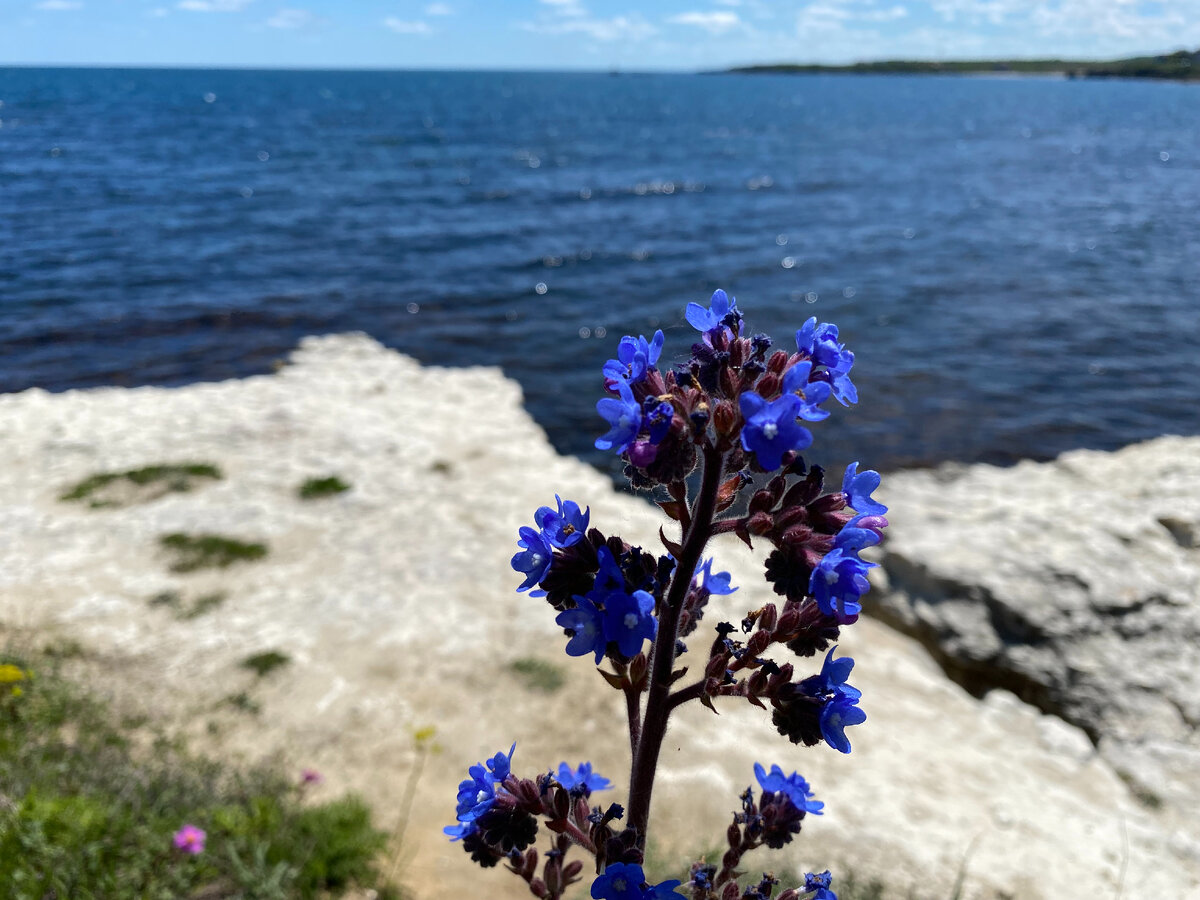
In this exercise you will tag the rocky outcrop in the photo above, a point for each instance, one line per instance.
(396, 604)
(1075, 584)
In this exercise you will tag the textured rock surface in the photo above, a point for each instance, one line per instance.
(1074, 583)
(395, 602)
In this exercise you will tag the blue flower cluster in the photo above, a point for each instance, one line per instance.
(477, 794)
(820, 344)
(722, 314)
(840, 579)
(793, 786)
(839, 708)
(557, 528)
(820, 884)
(627, 416)
(581, 780)
(626, 881)
(608, 614)
(773, 426)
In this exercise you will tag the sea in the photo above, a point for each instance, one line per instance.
(1014, 261)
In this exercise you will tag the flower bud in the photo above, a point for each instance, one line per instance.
(768, 386)
(759, 641)
(724, 419)
(731, 891)
(537, 887)
(760, 523)
(777, 363)
(767, 617)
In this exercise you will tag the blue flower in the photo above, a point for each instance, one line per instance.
(586, 624)
(793, 786)
(820, 343)
(609, 576)
(623, 881)
(635, 355)
(820, 884)
(706, 320)
(813, 393)
(477, 794)
(500, 765)
(535, 560)
(619, 881)
(858, 487)
(837, 583)
(624, 417)
(629, 620)
(714, 584)
(563, 527)
(840, 712)
(854, 536)
(839, 376)
(834, 673)
(657, 415)
(771, 429)
(582, 780)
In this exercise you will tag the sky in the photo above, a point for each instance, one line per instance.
(683, 35)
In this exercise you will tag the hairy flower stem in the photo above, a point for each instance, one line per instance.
(658, 705)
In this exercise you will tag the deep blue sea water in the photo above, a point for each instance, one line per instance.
(1015, 262)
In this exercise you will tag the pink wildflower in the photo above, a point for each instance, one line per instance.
(190, 839)
(311, 776)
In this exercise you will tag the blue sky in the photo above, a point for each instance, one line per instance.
(580, 34)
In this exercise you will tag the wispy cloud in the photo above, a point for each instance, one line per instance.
(290, 19)
(572, 17)
(407, 26)
(439, 9)
(566, 7)
(214, 5)
(59, 5)
(628, 28)
(714, 22)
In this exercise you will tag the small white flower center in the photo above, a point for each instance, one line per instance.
(536, 559)
(619, 884)
(770, 430)
(831, 577)
(631, 620)
(481, 796)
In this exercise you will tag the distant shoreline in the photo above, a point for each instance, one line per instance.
(1182, 65)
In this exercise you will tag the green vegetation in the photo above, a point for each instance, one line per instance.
(206, 551)
(264, 663)
(173, 600)
(315, 488)
(114, 489)
(1181, 65)
(87, 814)
(538, 674)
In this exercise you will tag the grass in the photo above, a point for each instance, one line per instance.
(114, 489)
(207, 551)
(203, 604)
(86, 814)
(537, 674)
(262, 664)
(316, 488)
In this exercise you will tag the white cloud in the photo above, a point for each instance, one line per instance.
(213, 5)
(159, 12)
(438, 9)
(403, 26)
(288, 19)
(566, 7)
(884, 15)
(627, 28)
(59, 5)
(715, 22)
